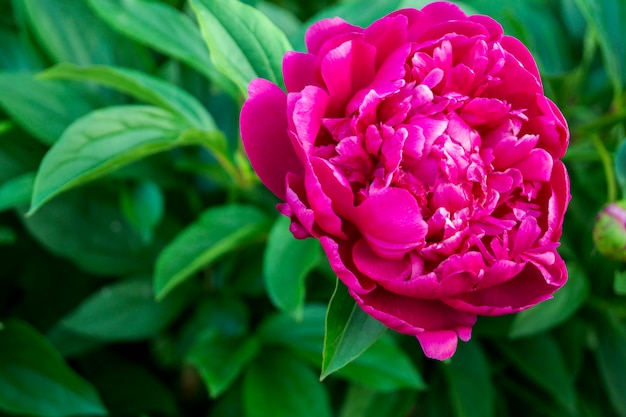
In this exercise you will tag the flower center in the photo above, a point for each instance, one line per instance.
(439, 137)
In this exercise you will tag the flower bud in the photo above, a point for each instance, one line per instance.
(609, 232)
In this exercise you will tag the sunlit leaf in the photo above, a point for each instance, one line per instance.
(244, 44)
(349, 331)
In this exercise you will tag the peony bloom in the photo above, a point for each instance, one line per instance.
(422, 153)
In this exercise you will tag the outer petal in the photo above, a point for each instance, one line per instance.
(325, 29)
(528, 288)
(263, 125)
(418, 318)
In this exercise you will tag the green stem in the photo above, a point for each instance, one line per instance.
(609, 172)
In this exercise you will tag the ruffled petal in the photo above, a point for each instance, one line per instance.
(263, 125)
(400, 230)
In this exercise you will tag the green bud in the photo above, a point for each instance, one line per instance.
(609, 232)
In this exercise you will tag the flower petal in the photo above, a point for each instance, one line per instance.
(263, 125)
(399, 230)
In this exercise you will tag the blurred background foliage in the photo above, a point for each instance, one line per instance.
(145, 271)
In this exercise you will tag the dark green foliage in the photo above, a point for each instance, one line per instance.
(145, 271)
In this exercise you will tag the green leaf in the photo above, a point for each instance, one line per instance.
(605, 18)
(141, 86)
(610, 351)
(305, 336)
(70, 32)
(385, 367)
(87, 227)
(469, 379)
(553, 312)
(218, 231)
(106, 140)
(17, 191)
(144, 206)
(125, 310)
(220, 359)
(620, 166)
(35, 380)
(286, 263)
(619, 283)
(366, 402)
(165, 29)
(43, 108)
(280, 385)
(7, 236)
(349, 331)
(540, 359)
(128, 387)
(244, 44)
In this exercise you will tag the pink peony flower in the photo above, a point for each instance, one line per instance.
(422, 153)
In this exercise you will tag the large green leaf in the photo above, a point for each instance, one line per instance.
(87, 226)
(384, 366)
(286, 263)
(70, 32)
(610, 352)
(220, 359)
(165, 29)
(142, 86)
(364, 402)
(17, 191)
(44, 108)
(280, 385)
(539, 358)
(34, 379)
(349, 331)
(606, 19)
(244, 44)
(218, 231)
(469, 379)
(125, 310)
(106, 140)
(555, 311)
(304, 336)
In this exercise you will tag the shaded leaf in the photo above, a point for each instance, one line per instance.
(87, 226)
(539, 358)
(17, 191)
(280, 385)
(605, 18)
(70, 32)
(144, 206)
(365, 402)
(35, 380)
(384, 367)
(551, 313)
(244, 44)
(125, 310)
(471, 389)
(619, 283)
(143, 87)
(164, 29)
(43, 108)
(218, 231)
(220, 359)
(286, 263)
(349, 331)
(610, 353)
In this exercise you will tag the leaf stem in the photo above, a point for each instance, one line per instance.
(609, 172)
